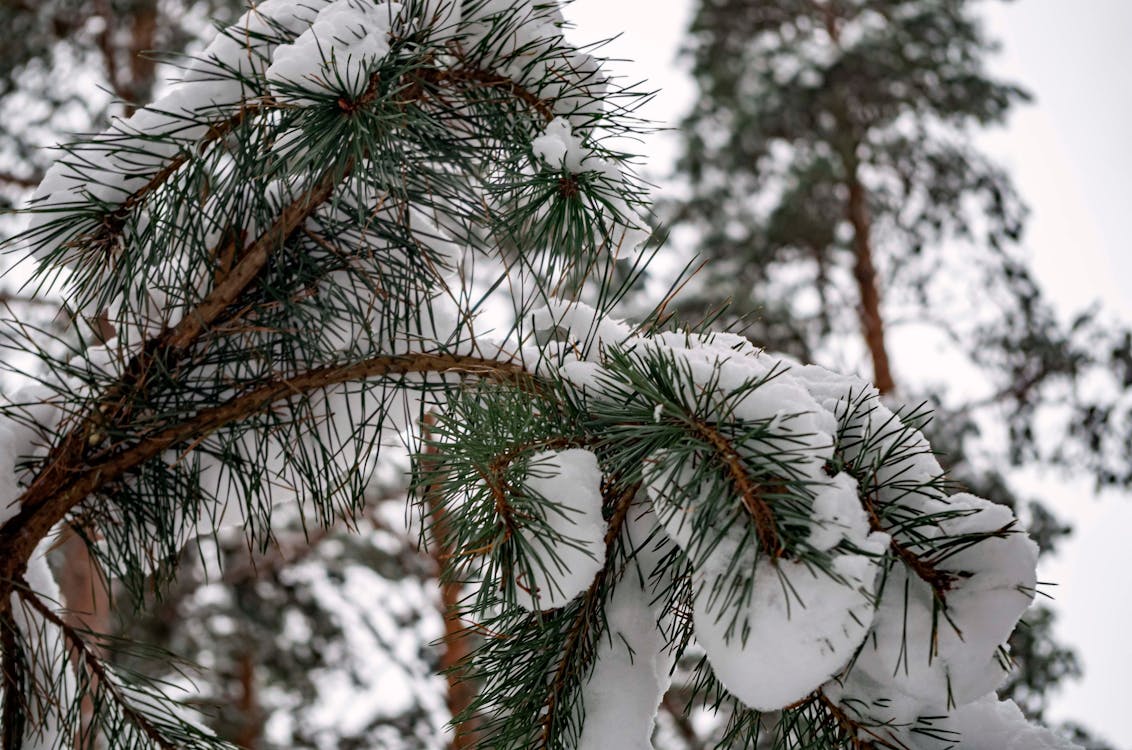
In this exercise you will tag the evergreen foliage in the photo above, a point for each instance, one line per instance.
(356, 230)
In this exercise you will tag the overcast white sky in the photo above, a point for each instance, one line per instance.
(1070, 156)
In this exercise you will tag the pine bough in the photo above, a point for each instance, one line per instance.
(347, 215)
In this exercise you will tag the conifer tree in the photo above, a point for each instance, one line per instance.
(359, 225)
(835, 187)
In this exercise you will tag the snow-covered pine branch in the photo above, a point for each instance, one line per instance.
(300, 246)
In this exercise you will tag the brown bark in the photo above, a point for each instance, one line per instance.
(143, 37)
(12, 715)
(247, 702)
(87, 602)
(132, 81)
(868, 310)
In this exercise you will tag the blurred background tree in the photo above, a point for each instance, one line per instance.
(834, 187)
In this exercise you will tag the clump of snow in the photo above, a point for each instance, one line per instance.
(564, 562)
(518, 30)
(795, 627)
(991, 724)
(560, 148)
(338, 51)
(798, 627)
(837, 514)
(878, 439)
(123, 159)
(632, 667)
(994, 585)
(30, 415)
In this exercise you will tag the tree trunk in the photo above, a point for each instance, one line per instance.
(87, 602)
(868, 309)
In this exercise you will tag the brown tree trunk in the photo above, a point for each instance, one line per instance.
(868, 309)
(143, 39)
(247, 702)
(87, 603)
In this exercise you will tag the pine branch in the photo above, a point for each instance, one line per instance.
(109, 230)
(749, 492)
(97, 673)
(852, 729)
(489, 79)
(13, 716)
(938, 579)
(253, 259)
(70, 477)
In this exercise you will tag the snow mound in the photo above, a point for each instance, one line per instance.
(632, 668)
(991, 724)
(337, 52)
(799, 628)
(564, 562)
(993, 585)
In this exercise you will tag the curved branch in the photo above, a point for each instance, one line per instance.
(938, 579)
(68, 478)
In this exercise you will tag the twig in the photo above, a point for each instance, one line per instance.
(751, 493)
(14, 715)
(96, 670)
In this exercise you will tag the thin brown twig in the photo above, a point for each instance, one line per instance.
(92, 664)
(938, 579)
(853, 729)
(750, 492)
